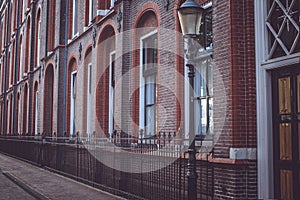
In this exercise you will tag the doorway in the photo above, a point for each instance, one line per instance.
(286, 130)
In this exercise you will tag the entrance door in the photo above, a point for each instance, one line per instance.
(286, 120)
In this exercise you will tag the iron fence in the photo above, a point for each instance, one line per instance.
(133, 167)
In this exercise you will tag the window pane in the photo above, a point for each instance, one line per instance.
(205, 38)
(150, 52)
(150, 90)
(283, 24)
(197, 118)
(201, 116)
(210, 113)
(210, 76)
(200, 79)
(204, 116)
(150, 120)
(74, 84)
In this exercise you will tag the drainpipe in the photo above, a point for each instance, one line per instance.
(6, 71)
(15, 117)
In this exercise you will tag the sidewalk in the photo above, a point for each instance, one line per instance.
(43, 184)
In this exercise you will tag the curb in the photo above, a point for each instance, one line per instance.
(25, 186)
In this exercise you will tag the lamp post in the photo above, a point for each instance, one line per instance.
(190, 14)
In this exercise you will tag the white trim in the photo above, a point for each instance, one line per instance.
(112, 4)
(72, 105)
(111, 95)
(102, 12)
(90, 11)
(75, 16)
(282, 61)
(207, 5)
(264, 107)
(142, 82)
(38, 42)
(89, 99)
(242, 153)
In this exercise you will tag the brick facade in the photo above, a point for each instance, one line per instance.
(61, 53)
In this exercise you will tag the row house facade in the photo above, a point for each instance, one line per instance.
(100, 66)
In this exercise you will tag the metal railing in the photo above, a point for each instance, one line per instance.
(134, 167)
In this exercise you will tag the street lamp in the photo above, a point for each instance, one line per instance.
(190, 15)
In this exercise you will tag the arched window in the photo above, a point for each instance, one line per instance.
(71, 97)
(18, 114)
(87, 92)
(6, 117)
(20, 59)
(12, 66)
(25, 108)
(48, 100)
(35, 108)
(27, 48)
(147, 39)
(9, 70)
(105, 92)
(10, 131)
(37, 39)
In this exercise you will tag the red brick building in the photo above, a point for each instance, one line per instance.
(99, 66)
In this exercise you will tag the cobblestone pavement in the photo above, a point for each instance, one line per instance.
(41, 183)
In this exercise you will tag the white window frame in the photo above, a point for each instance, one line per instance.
(73, 104)
(142, 83)
(112, 4)
(21, 60)
(90, 11)
(89, 99)
(38, 42)
(75, 19)
(112, 58)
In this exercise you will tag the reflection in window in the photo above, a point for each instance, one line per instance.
(203, 88)
(205, 37)
(149, 61)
